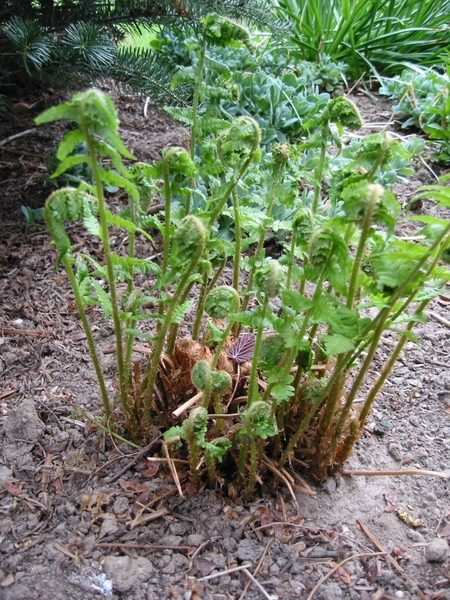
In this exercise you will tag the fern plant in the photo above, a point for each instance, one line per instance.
(310, 333)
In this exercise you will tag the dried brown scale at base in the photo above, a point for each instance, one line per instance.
(37, 544)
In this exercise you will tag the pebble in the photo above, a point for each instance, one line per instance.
(437, 550)
(120, 505)
(395, 451)
(248, 550)
(109, 527)
(125, 572)
(5, 475)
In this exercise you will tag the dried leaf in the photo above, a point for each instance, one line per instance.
(12, 488)
(230, 513)
(344, 575)
(298, 548)
(204, 567)
(391, 501)
(133, 486)
(94, 502)
(372, 571)
(152, 468)
(262, 514)
(242, 350)
(9, 580)
(444, 300)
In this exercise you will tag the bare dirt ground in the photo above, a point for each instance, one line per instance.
(82, 518)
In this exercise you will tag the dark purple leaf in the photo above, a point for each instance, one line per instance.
(242, 349)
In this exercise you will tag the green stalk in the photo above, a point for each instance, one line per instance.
(252, 387)
(320, 168)
(369, 213)
(220, 203)
(89, 338)
(167, 209)
(253, 463)
(237, 241)
(262, 237)
(174, 327)
(195, 104)
(206, 287)
(129, 337)
(221, 344)
(123, 379)
(388, 368)
(152, 365)
(291, 263)
(200, 308)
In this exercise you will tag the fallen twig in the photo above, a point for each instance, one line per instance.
(258, 566)
(140, 520)
(143, 546)
(16, 136)
(226, 572)
(392, 560)
(395, 473)
(334, 569)
(184, 407)
(445, 322)
(443, 516)
(172, 469)
(269, 464)
(29, 332)
(133, 461)
(258, 585)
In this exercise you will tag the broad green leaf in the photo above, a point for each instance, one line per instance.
(337, 344)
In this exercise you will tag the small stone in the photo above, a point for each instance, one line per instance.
(125, 572)
(416, 536)
(109, 527)
(332, 591)
(249, 550)
(437, 550)
(5, 475)
(120, 505)
(395, 451)
(414, 420)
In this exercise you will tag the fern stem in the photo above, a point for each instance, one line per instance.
(369, 212)
(252, 387)
(237, 241)
(89, 338)
(195, 105)
(110, 270)
(202, 297)
(167, 207)
(262, 236)
(221, 344)
(320, 168)
(152, 366)
(388, 367)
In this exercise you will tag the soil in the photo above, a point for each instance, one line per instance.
(82, 518)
